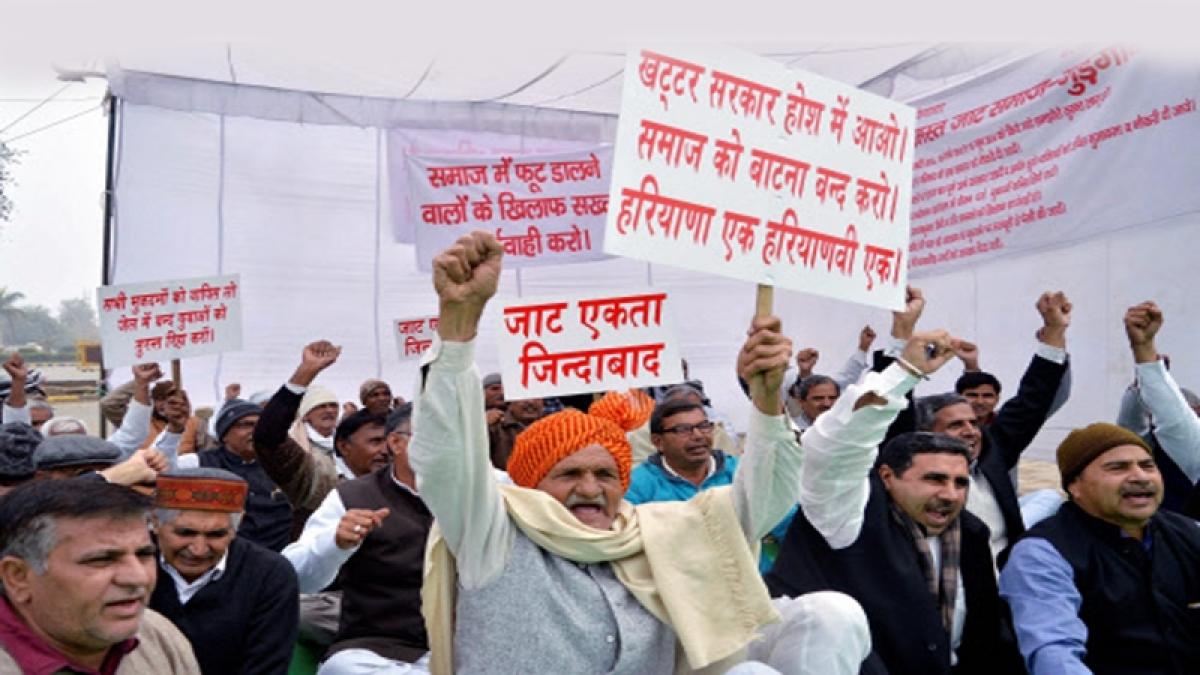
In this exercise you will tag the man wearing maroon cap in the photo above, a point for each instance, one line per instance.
(237, 602)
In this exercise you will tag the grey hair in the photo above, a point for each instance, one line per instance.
(927, 407)
(167, 516)
(801, 388)
(33, 543)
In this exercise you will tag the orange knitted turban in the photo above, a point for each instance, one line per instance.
(551, 439)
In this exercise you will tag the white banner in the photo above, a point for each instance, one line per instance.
(730, 164)
(544, 209)
(579, 344)
(414, 336)
(162, 320)
(1059, 147)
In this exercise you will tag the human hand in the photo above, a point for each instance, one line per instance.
(1056, 316)
(806, 360)
(865, 337)
(356, 525)
(465, 277)
(765, 354)
(316, 357)
(232, 390)
(968, 353)
(905, 322)
(1142, 322)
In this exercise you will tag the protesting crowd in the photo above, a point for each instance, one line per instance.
(862, 522)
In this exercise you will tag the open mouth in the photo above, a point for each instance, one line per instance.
(1139, 497)
(128, 607)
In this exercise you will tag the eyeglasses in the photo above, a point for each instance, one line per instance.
(685, 429)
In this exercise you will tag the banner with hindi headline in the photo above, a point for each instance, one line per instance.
(1062, 146)
(731, 164)
(163, 320)
(580, 344)
(414, 336)
(543, 209)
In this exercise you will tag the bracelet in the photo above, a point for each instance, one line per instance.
(912, 370)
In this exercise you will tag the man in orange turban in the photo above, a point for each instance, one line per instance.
(559, 573)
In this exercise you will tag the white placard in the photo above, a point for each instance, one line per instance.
(580, 344)
(543, 209)
(731, 164)
(414, 336)
(173, 319)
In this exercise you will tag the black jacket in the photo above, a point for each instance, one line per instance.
(882, 571)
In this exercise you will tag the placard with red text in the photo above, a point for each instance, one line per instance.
(163, 320)
(543, 209)
(730, 163)
(579, 344)
(414, 336)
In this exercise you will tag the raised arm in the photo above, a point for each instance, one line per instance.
(840, 448)
(1176, 426)
(1020, 419)
(303, 480)
(135, 425)
(764, 487)
(15, 409)
(449, 449)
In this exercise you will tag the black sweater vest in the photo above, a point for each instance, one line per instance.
(881, 570)
(381, 582)
(1142, 610)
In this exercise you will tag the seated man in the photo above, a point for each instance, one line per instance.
(812, 396)
(1110, 583)
(234, 600)
(896, 537)
(77, 568)
(71, 455)
(561, 574)
(369, 534)
(685, 462)
(17, 443)
(268, 516)
(376, 397)
(1175, 437)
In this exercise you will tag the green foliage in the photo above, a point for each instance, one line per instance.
(35, 324)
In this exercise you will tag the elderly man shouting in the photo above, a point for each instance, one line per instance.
(603, 585)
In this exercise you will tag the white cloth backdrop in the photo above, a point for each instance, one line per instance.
(301, 212)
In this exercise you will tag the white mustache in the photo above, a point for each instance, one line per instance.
(574, 500)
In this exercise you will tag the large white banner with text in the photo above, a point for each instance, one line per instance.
(1059, 147)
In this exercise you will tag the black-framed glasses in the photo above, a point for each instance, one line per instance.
(705, 427)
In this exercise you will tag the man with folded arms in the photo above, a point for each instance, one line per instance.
(599, 584)
(235, 600)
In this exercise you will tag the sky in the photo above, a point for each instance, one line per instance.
(50, 246)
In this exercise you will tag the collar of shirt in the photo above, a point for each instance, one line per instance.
(343, 471)
(35, 657)
(187, 590)
(712, 467)
(395, 480)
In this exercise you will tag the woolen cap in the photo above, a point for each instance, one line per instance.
(1081, 446)
(232, 411)
(369, 387)
(314, 397)
(74, 450)
(201, 489)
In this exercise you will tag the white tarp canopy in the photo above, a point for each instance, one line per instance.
(235, 159)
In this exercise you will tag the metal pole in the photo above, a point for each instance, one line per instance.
(106, 251)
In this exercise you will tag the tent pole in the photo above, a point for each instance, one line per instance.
(106, 250)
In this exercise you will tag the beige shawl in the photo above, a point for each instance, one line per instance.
(686, 562)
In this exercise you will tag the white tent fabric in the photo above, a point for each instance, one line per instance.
(243, 165)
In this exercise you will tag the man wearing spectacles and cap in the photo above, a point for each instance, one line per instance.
(685, 462)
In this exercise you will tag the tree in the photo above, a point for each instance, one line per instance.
(78, 319)
(8, 157)
(9, 312)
